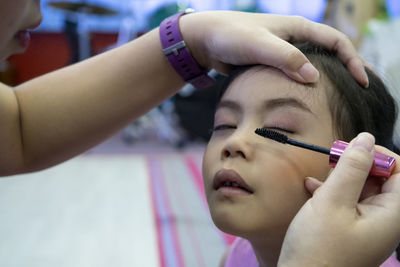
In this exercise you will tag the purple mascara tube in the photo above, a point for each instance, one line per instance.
(382, 166)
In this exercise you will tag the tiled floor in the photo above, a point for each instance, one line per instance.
(90, 211)
(98, 210)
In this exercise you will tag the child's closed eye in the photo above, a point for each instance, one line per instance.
(280, 129)
(224, 127)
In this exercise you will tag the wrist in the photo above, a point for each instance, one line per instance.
(194, 38)
(178, 54)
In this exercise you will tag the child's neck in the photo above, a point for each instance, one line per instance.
(268, 248)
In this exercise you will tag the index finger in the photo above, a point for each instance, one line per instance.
(333, 40)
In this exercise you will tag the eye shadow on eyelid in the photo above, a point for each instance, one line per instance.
(223, 119)
(288, 122)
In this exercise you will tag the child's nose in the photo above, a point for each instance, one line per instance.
(237, 145)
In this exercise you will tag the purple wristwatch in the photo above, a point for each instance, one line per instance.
(174, 48)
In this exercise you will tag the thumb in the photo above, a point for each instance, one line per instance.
(284, 56)
(344, 185)
(312, 184)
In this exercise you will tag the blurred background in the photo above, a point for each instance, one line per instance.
(137, 199)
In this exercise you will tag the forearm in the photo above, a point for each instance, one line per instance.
(59, 115)
(70, 110)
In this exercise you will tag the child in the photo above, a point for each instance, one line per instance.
(255, 186)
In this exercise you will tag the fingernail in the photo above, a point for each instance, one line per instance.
(366, 80)
(309, 73)
(365, 141)
(366, 83)
(311, 180)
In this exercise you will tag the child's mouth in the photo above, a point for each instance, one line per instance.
(229, 181)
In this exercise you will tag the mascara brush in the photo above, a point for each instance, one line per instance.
(382, 166)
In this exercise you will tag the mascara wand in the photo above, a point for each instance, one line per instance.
(281, 138)
(382, 167)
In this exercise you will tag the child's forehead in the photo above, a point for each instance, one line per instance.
(259, 82)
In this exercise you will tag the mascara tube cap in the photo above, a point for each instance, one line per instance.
(382, 167)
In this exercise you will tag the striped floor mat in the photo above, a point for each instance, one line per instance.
(110, 210)
(186, 234)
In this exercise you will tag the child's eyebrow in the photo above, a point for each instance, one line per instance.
(269, 104)
(229, 104)
(286, 101)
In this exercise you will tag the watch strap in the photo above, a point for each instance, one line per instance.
(174, 48)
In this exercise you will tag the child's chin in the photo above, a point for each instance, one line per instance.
(233, 226)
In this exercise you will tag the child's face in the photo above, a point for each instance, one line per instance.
(274, 172)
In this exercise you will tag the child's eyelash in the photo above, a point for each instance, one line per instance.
(228, 127)
(280, 129)
(223, 127)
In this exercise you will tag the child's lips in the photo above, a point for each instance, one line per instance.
(230, 180)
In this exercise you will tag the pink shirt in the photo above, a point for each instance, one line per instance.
(242, 255)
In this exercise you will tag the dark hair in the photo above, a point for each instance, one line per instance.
(354, 109)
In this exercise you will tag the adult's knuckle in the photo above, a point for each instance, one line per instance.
(300, 20)
(303, 26)
(343, 42)
(293, 59)
(344, 37)
(358, 160)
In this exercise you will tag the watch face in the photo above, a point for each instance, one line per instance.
(189, 10)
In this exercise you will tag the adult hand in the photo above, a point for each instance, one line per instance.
(236, 38)
(335, 227)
